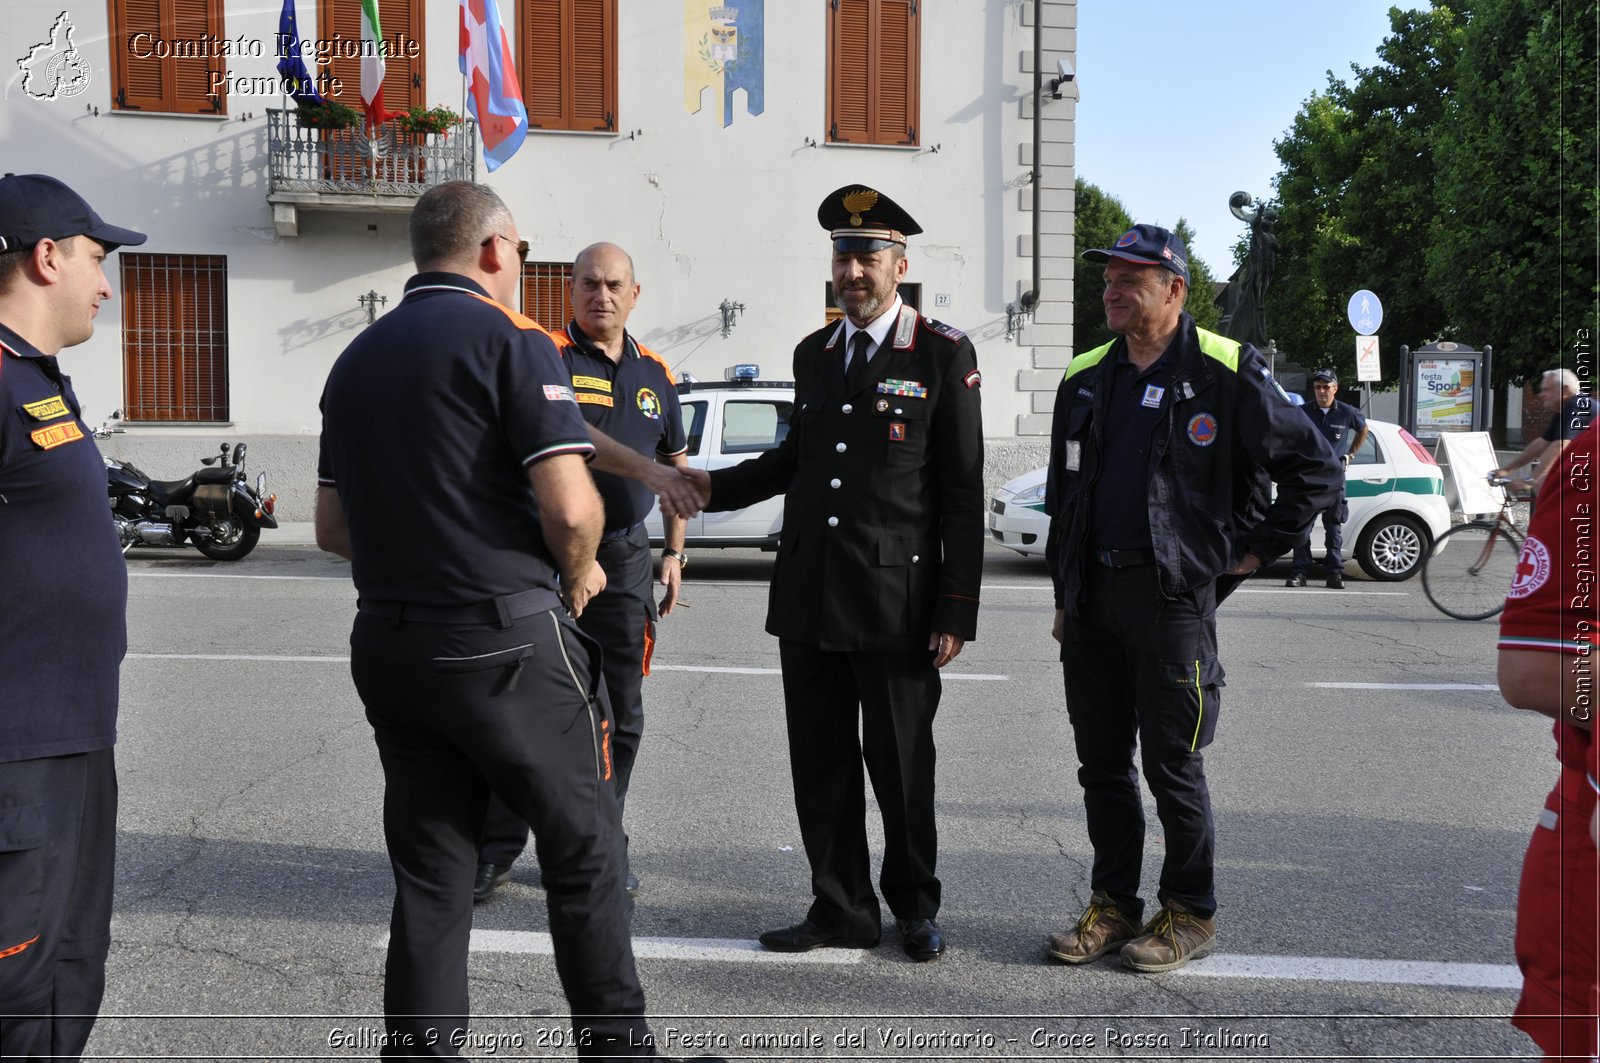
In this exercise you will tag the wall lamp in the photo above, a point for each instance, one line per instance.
(730, 311)
(370, 303)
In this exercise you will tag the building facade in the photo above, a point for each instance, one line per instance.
(699, 135)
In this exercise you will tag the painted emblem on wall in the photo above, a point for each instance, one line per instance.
(724, 47)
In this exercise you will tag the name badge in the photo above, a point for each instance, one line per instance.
(1152, 396)
(1074, 455)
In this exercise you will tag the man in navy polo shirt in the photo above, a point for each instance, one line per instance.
(1345, 429)
(627, 392)
(63, 628)
(1158, 494)
(473, 673)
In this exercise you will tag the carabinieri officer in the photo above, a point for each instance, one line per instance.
(625, 390)
(875, 587)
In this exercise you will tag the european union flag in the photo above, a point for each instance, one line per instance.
(297, 80)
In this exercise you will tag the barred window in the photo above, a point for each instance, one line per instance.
(175, 337)
(544, 293)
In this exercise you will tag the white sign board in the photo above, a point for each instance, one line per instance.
(1367, 359)
(1472, 458)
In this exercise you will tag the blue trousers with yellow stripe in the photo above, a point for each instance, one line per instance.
(1142, 673)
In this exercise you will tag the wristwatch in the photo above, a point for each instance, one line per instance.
(682, 558)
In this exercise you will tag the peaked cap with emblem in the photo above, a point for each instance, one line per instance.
(859, 218)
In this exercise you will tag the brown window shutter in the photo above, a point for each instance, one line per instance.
(895, 78)
(848, 71)
(138, 84)
(403, 83)
(543, 61)
(200, 22)
(594, 64)
(340, 20)
(544, 294)
(175, 337)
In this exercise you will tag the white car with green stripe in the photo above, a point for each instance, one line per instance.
(1395, 490)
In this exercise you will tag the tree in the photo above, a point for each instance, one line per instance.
(1356, 196)
(1512, 241)
(1101, 218)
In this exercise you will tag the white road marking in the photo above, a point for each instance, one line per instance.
(1405, 686)
(720, 950)
(1348, 592)
(1223, 965)
(226, 575)
(981, 677)
(1366, 972)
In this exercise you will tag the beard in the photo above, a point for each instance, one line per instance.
(867, 304)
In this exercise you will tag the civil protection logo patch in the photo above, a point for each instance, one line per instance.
(1129, 237)
(1202, 430)
(649, 404)
(1533, 568)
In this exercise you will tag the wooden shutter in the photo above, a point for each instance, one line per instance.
(145, 81)
(175, 337)
(567, 60)
(544, 293)
(873, 71)
(404, 85)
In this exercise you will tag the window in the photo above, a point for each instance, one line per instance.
(544, 293)
(175, 337)
(910, 294)
(567, 59)
(750, 427)
(694, 425)
(147, 39)
(401, 22)
(874, 55)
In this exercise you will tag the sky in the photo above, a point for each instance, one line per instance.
(1179, 101)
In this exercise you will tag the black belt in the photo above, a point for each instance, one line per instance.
(503, 610)
(1123, 558)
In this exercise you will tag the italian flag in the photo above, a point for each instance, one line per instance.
(372, 65)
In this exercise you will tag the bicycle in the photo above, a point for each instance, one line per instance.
(1471, 566)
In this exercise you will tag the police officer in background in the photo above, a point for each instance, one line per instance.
(63, 630)
(1158, 496)
(1345, 429)
(875, 587)
(472, 673)
(625, 389)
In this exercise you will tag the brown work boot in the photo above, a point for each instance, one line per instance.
(1170, 940)
(1101, 929)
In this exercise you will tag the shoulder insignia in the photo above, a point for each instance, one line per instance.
(833, 340)
(906, 328)
(949, 332)
(558, 393)
(972, 379)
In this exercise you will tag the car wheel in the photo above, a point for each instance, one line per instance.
(1392, 547)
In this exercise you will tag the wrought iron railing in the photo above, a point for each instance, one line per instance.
(392, 162)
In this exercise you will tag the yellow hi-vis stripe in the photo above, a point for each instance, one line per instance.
(1199, 693)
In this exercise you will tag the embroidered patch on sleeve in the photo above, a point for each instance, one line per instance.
(558, 393)
(46, 409)
(54, 435)
(972, 379)
(947, 331)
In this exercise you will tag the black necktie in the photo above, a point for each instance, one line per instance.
(855, 375)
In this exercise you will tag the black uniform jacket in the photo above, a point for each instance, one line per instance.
(1226, 428)
(882, 539)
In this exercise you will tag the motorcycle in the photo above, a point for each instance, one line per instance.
(215, 509)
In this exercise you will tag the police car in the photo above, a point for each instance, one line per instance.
(1395, 490)
(727, 422)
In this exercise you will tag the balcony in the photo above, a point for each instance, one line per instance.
(346, 171)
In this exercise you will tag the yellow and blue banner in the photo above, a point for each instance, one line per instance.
(724, 50)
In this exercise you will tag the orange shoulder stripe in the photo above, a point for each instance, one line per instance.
(522, 321)
(662, 362)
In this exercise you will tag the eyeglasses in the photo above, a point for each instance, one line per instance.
(520, 245)
(1320, 386)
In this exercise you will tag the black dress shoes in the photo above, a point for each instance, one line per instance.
(806, 935)
(921, 939)
(1336, 581)
(1296, 580)
(490, 878)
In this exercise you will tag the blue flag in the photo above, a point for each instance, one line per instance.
(297, 80)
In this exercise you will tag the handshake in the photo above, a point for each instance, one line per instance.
(683, 491)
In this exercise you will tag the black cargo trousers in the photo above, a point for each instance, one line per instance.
(460, 708)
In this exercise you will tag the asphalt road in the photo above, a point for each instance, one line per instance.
(1369, 841)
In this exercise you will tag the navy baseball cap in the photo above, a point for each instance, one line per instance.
(36, 207)
(1148, 245)
(1327, 376)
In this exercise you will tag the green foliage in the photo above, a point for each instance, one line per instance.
(1206, 313)
(1356, 197)
(427, 120)
(1512, 241)
(328, 115)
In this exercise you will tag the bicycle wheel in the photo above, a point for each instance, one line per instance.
(1470, 570)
